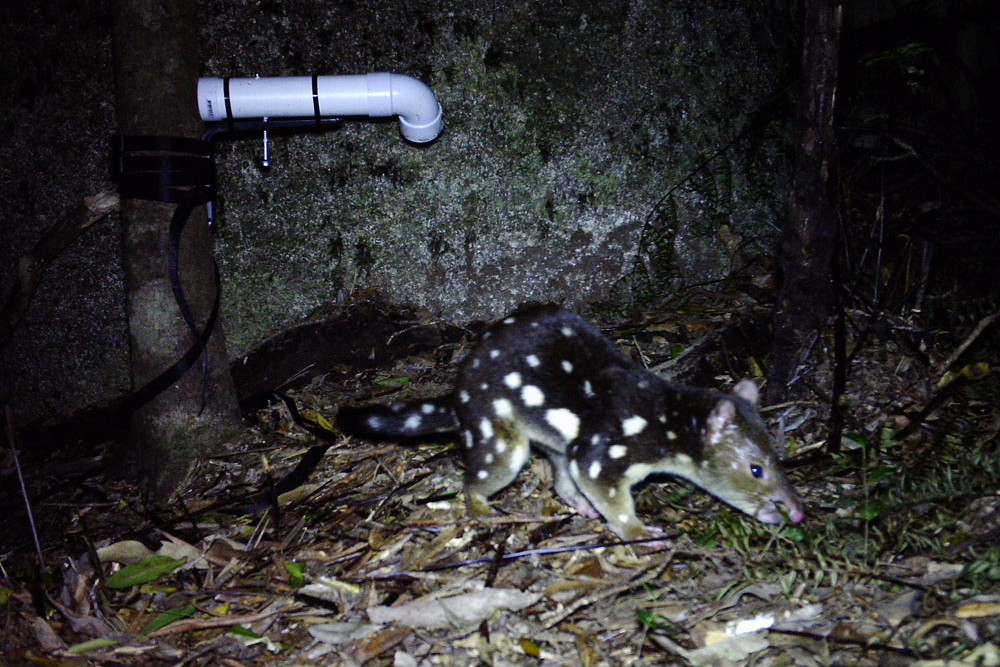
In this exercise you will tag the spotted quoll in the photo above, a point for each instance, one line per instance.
(549, 378)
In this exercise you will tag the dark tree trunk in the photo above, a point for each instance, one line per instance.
(156, 72)
(807, 244)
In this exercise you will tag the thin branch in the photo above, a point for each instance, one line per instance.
(32, 266)
(9, 416)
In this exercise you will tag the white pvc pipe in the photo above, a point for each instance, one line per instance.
(380, 94)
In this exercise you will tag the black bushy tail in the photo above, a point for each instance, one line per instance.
(400, 420)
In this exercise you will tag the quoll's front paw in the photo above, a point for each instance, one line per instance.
(584, 508)
(658, 538)
(661, 541)
(476, 504)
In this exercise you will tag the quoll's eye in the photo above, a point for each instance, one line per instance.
(757, 471)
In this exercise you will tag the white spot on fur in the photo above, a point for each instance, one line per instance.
(512, 380)
(533, 360)
(595, 470)
(643, 384)
(463, 396)
(503, 408)
(486, 428)
(634, 425)
(671, 435)
(428, 408)
(509, 320)
(482, 474)
(567, 366)
(501, 446)
(494, 354)
(518, 458)
(488, 458)
(618, 451)
(624, 518)
(566, 331)
(588, 389)
(595, 439)
(612, 492)
(467, 436)
(532, 396)
(412, 422)
(475, 362)
(565, 421)
(374, 423)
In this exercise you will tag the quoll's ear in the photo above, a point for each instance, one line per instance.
(721, 416)
(747, 390)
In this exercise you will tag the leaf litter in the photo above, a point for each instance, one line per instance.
(374, 561)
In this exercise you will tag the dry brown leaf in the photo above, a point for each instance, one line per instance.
(463, 609)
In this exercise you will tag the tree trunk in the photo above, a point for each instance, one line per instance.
(807, 244)
(156, 72)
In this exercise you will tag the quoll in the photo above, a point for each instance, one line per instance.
(547, 377)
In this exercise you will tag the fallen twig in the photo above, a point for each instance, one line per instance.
(191, 625)
(9, 417)
(58, 237)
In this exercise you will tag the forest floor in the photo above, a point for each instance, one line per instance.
(373, 561)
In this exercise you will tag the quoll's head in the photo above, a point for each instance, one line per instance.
(740, 464)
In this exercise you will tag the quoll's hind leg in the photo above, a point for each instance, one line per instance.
(495, 452)
(566, 487)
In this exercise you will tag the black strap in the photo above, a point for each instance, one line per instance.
(229, 100)
(179, 171)
(315, 92)
(163, 169)
(305, 467)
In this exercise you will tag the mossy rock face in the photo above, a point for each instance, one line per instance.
(567, 123)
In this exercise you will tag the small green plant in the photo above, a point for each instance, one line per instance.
(900, 55)
(170, 616)
(393, 382)
(984, 572)
(296, 574)
(144, 572)
(650, 620)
